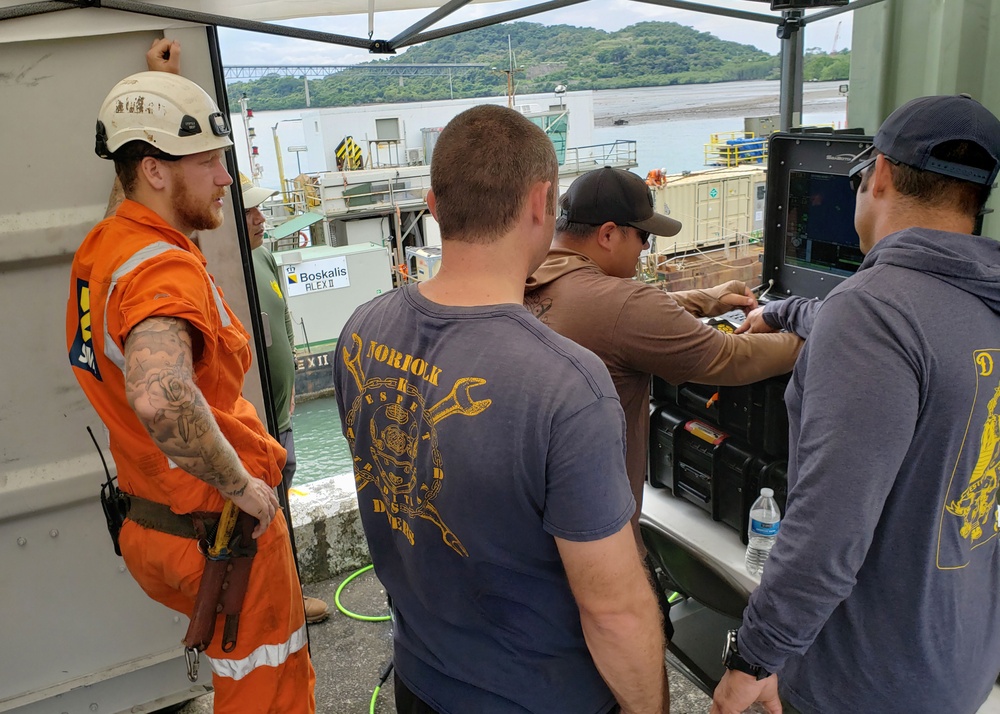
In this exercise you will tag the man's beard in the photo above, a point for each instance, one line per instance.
(197, 214)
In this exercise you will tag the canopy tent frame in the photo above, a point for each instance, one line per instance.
(432, 19)
(789, 28)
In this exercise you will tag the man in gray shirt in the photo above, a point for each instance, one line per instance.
(880, 594)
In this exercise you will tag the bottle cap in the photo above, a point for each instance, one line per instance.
(767, 492)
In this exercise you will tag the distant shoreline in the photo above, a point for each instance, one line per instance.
(747, 106)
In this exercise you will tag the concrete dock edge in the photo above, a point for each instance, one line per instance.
(327, 526)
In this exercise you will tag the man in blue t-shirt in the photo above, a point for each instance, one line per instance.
(490, 464)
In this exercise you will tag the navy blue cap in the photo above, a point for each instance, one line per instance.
(912, 133)
(618, 196)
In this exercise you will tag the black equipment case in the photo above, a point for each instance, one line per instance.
(718, 446)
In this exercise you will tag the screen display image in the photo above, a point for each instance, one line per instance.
(819, 231)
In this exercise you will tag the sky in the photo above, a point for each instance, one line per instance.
(246, 48)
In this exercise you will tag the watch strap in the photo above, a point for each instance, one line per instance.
(734, 660)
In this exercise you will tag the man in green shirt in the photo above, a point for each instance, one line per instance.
(280, 343)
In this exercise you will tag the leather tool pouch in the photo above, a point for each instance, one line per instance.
(234, 589)
(223, 588)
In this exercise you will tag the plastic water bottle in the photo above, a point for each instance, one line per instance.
(765, 520)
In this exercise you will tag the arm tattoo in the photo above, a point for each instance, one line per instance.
(160, 387)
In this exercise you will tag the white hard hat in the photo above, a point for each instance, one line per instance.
(162, 109)
(253, 196)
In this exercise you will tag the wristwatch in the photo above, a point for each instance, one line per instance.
(732, 659)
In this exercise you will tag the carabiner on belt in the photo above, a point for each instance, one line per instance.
(191, 660)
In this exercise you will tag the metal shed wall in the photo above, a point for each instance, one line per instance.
(904, 49)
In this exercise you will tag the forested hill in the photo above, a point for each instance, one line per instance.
(643, 55)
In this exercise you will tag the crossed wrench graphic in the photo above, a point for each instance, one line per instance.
(458, 401)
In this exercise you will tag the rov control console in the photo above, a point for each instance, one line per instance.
(718, 446)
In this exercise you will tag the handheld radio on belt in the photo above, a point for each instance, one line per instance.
(114, 502)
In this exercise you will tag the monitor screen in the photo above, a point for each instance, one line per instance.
(819, 230)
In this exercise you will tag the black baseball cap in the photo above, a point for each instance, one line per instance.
(618, 196)
(912, 133)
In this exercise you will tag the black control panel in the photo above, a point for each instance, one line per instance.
(810, 244)
(718, 446)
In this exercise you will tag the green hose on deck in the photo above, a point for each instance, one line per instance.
(365, 618)
(354, 615)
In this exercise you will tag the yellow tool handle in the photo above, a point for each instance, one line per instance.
(224, 531)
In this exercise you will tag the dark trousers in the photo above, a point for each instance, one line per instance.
(288, 470)
(406, 701)
(409, 703)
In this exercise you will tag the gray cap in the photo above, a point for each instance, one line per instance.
(912, 133)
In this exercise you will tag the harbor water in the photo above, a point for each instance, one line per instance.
(671, 125)
(320, 447)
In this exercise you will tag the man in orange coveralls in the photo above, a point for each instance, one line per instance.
(162, 358)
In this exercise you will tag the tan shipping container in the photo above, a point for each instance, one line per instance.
(715, 206)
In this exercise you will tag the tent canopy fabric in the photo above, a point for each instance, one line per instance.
(270, 10)
(19, 20)
(289, 9)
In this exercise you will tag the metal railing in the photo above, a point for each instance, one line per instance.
(735, 148)
(619, 154)
(277, 212)
(385, 191)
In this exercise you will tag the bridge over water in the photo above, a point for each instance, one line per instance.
(318, 71)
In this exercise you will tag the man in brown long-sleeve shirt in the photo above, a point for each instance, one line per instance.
(584, 290)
